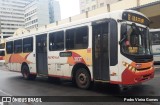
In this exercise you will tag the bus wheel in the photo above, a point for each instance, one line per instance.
(26, 73)
(82, 78)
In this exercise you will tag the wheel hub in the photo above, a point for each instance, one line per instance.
(82, 78)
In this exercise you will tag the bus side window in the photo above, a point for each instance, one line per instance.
(18, 46)
(56, 41)
(9, 47)
(28, 45)
(81, 38)
(77, 38)
(69, 39)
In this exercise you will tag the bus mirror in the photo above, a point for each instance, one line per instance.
(123, 29)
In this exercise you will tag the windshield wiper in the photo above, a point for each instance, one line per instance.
(124, 38)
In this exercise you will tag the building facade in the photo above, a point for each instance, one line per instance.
(11, 16)
(54, 11)
(29, 14)
(89, 5)
(41, 12)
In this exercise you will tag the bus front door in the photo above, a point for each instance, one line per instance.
(41, 54)
(100, 52)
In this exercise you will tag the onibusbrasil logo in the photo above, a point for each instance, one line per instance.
(19, 99)
(5, 99)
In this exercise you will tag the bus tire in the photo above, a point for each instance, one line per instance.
(83, 78)
(26, 73)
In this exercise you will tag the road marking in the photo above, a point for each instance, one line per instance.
(5, 93)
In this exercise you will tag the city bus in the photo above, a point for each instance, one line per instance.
(110, 48)
(155, 41)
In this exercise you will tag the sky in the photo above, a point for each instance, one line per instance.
(69, 8)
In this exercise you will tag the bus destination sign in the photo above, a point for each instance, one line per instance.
(135, 18)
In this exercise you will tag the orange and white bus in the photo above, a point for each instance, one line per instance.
(112, 47)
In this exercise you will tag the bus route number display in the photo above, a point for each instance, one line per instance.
(135, 18)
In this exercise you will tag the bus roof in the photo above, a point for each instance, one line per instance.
(115, 15)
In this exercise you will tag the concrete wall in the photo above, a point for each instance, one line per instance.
(151, 11)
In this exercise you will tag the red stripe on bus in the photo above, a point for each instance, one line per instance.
(1, 58)
(58, 76)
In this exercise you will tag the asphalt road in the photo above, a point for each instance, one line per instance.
(12, 84)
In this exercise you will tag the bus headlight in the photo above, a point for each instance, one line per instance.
(133, 69)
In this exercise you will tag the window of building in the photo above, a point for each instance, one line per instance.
(101, 4)
(83, 11)
(28, 45)
(6, 36)
(9, 47)
(56, 41)
(18, 46)
(8, 33)
(87, 1)
(77, 38)
(88, 9)
(93, 7)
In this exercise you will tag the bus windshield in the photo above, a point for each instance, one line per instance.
(136, 40)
